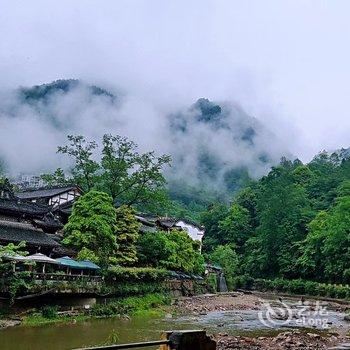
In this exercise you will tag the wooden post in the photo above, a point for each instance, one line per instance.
(188, 340)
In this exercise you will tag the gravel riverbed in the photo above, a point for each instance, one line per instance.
(234, 320)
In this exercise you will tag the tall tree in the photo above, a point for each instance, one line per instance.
(132, 178)
(185, 255)
(127, 232)
(90, 228)
(85, 168)
(336, 250)
(236, 226)
(213, 233)
(284, 213)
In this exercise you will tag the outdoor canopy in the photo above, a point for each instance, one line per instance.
(69, 262)
(64, 261)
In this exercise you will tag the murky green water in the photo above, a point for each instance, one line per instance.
(99, 331)
(89, 333)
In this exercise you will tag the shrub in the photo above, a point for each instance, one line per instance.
(135, 274)
(212, 282)
(298, 286)
(243, 281)
(49, 311)
(134, 288)
(130, 305)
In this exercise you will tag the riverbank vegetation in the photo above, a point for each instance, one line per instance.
(292, 224)
(297, 286)
(152, 304)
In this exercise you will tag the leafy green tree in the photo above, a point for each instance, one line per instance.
(311, 262)
(227, 258)
(322, 186)
(174, 250)
(91, 227)
(154, 249)
(185, 255)
(213, 233)
(302, 175)
(130, 177)
(336, 250)
(284, 212)
(236, 226)
(326, 249)
(127, 232)
(85, 168)
(248, 198)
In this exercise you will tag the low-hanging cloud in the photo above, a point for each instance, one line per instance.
(284, 62)
(204, 145)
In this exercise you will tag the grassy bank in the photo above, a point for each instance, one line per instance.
(298, 286)
(40, 320)
(146, 305)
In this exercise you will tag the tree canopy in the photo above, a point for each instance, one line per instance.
(292, 223)
(129, 177)
(90, 228)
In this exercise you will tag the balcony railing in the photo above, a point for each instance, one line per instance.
(64, 277)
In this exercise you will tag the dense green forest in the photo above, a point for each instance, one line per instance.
(292, 223)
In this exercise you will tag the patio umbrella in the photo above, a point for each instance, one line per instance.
(41, 258)
(15, 257)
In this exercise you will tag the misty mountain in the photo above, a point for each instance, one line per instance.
(214, 145)
(221, 143)
(343, 153)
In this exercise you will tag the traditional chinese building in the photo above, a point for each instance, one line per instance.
(34, 222)
(52, 196)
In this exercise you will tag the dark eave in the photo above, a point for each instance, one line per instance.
(15, 207)
(16, 232)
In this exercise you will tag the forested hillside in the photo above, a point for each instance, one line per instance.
(292, 223)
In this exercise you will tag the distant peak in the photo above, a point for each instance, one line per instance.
(207, 109)
(44, 91)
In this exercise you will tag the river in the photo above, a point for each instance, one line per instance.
(140, 328)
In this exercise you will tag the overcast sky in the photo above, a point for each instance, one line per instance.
(285, 62)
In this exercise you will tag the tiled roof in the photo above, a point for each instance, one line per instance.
(16, 232)
(62, 250)
(15, 206)
(166, 222)
(144, 220)
(44, 192)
